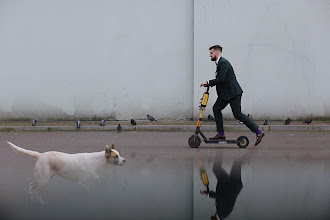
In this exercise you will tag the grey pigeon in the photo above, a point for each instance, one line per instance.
(119, 128)
(103, 122)
(287, 121)
(266, 121)
(78, 123)
(34, 122)
(308, 121)
(133, 122)
(151, 118)
(210, 117)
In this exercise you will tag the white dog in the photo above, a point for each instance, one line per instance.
(81, 168)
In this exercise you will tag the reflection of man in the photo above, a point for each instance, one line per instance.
(228, 188)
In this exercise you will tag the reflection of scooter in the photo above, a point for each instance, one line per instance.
(204, 177)
(194, 141)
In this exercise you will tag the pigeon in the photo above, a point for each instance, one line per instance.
(78, 123)
(210, 117)
(34, 122)
(287, 121)
(133, 122)
(103, 122)
(308, 121)
(119, 128)
(151, 118)
(266, 121)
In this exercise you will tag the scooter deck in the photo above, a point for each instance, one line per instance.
(220, 141)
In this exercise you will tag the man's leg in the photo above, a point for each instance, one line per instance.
(235, 104)
(218, 106)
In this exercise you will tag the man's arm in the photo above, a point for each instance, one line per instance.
(222, 70)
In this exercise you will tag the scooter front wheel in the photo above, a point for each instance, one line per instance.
(194, 141)
(242, 141)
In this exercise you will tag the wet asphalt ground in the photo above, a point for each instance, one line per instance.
(287, 176)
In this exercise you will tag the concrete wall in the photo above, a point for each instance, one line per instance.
(279, 50)
(123, 59)
(118, 59)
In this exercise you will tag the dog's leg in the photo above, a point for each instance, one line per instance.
(36, 189)
(32, 188)
(86, 183)
(43, 176)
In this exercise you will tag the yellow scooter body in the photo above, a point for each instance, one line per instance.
(203, 105)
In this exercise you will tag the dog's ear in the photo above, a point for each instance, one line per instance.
(113, 146)
(107, 151)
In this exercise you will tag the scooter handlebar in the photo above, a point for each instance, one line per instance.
(207, 88)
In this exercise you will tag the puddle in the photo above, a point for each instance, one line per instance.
(242, 187)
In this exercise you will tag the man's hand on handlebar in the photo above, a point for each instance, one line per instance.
(204, 84)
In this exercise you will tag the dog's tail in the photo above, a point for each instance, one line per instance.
(34, 154)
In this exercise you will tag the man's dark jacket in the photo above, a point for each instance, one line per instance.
(225, 81)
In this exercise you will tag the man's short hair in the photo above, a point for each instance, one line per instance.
(216, 47)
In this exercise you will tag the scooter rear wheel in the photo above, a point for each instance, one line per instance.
(242, 141)
(194, 142)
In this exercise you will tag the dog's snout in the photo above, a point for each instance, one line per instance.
(124, 160)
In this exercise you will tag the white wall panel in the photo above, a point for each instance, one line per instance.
(105, 58)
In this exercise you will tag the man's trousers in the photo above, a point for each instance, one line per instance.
(235, 104)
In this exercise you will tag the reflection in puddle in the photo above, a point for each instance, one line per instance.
(274, 188)
(227, 189)
(150, 187)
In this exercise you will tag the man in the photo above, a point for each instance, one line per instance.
(229, 92)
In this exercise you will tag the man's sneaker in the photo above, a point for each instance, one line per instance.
(259, 138)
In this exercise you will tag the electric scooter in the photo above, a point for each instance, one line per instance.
(194, 141)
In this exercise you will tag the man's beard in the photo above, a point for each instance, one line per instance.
(213, 58)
